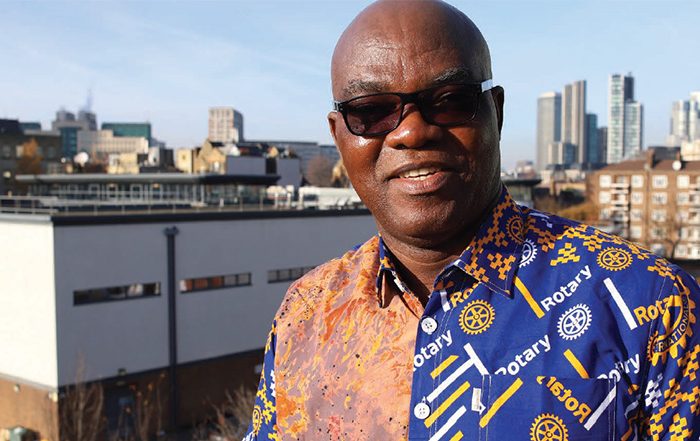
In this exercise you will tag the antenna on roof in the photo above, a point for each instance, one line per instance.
(88, 101)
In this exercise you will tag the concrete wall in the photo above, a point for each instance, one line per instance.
(132, 334)
(27, 306)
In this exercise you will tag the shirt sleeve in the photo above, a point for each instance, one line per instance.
(263, 425)
(672, 393)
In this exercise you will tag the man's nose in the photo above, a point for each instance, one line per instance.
(414, 132)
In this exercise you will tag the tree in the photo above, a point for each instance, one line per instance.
(233, 415)
(80, 410)
(319, 171)
(29, 163)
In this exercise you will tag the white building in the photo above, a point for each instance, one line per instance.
(225, 125)
(187, 296)
(685, 121)
(101, 143)
(548, 126)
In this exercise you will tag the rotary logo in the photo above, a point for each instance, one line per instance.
(675, 326)
(614, 259)
(257, 419)
(548, 427)
(529, 253)
(476, 317)
(574, 322)
(515, 228)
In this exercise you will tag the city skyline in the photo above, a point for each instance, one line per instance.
(169, 62)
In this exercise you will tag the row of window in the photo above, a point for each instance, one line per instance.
(123, 292)
(138, 290)
(657, 181)
(637, 198)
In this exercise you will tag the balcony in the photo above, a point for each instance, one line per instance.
(619, 185)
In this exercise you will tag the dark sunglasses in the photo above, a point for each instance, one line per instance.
(380, 113)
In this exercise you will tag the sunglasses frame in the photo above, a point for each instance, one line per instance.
(406, 98)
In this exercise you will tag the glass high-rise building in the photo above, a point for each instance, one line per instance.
(548, 126)
(593, 153)
(685, 121)
(624, 119)
(573, 119)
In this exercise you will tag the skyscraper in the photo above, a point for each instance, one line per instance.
(593, 154)
(624, 119)
(685, 121)
(225, 125)
(69, 126)
(573, 118)
(633, 128)
(548, 125)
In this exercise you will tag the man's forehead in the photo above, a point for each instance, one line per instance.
(363, 86)
(391, 45)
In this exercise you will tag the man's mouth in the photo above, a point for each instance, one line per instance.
(419, 174)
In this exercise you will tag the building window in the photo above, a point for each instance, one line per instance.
(605, 214)
(659, 198)
(636, 215)
(659, 181)
(215, 282)
(637, 181)
(682, 198)
(287, 274)
(658, 215)
(681, 251)
(658, 233)
(635, 232)
(637, 197)
(683, 181)
(604, 197)
(605, 181)
(123, 292)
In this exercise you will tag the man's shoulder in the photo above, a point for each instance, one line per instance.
(564, 245)
(334, 275)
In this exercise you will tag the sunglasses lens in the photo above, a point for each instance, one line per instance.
(450, 105)
(373, 115)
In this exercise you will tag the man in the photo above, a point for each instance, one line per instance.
(467, 317)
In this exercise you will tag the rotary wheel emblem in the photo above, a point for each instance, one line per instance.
(476, 317)
(529, 253)
(677, 323)
(548, 427)
(574, 322)
(614, 259)
(257, 419)
(515, 228)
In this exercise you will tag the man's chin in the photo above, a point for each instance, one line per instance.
(426, 230)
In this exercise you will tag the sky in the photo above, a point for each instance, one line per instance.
(167, 62)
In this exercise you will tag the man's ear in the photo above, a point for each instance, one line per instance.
(332, 121)
(498, 95)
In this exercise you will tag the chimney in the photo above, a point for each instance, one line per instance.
(650, 159)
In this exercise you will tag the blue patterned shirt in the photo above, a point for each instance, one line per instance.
(543, 329)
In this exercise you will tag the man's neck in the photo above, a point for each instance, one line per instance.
(420, 260)
(419, 265)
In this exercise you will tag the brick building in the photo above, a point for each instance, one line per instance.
(652, 202)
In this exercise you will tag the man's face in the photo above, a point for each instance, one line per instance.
(420, 181)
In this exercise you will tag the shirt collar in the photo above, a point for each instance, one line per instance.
(491, 257)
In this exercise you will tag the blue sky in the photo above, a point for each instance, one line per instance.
(169, 61)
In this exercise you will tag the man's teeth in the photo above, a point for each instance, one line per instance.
(419, 174)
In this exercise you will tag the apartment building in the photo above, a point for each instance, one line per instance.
(652, 202)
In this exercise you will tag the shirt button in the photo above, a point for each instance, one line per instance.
(421, 411)
(428, 325)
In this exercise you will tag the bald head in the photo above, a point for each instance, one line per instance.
(398, 37)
